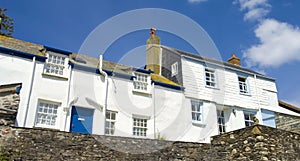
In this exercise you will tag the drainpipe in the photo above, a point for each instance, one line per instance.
(30, 91)
(68, 106)
(258, 101)
(154, 121)
(106, 90)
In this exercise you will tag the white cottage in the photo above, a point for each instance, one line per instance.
(178, 96)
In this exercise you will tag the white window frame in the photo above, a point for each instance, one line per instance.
(174, 69)
(110, 122)
(248, 118)
(60, 64)
(43, 109)
(221, 121)
(243, 85)
(210, 77)
(141, 82)
(197, 111)
(139, 127)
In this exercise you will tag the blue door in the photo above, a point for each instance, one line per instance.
(81, 120)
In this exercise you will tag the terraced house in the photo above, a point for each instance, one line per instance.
(177, 96)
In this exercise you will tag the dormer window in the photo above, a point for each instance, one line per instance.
(55, 64)
(140, 82)
(243, 85)
(210, 77)
(174, 69)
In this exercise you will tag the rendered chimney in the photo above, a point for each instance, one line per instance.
(234, 60)
(153, 52)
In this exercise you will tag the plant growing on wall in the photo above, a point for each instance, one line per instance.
(6, 24)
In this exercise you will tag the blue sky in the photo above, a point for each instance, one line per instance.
(264, 33)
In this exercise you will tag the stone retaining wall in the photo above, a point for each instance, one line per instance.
(252, 143)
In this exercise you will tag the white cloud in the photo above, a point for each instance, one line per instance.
(253, 4)
(279, 44)
(196, 1)
(255, 9)
(255, 14)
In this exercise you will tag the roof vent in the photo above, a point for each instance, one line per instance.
(80, 60)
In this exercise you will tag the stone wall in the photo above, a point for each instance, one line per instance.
(9, 103)
(258, 143)
(252, 143)
(287, 122)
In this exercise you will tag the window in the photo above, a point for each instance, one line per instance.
(248, 116)
(110, 122)
(46, 114)
(139, 127)
(174, 69)
(243, 85)
(268, 118)
(210, 77)
(140, 82)
(221, 121)
(54, 64)
(196, 111)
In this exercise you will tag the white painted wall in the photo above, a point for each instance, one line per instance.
(17, 70)
(168, 111)
(87, 91)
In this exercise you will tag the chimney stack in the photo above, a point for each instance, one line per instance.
(234, 60)
(153, 52)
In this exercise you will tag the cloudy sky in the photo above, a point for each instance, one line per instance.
(264, 33)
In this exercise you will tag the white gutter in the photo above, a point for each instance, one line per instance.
(30, 91)
(106, 90)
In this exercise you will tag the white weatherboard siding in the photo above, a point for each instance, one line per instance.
(262, 92)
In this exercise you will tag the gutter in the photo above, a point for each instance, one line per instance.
(106, 90)
(30, 91)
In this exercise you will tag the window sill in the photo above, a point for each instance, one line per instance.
(142, 137)
(54, 76)
(245, 94)
(211, 87)
(199, 124)
(145, 93)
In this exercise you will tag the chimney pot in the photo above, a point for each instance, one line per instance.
(234, 60)
(153, 52)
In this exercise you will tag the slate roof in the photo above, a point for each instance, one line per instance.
(23, 46)
(83, 60)
(114, 67)
(288, 106)
(39, 50)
